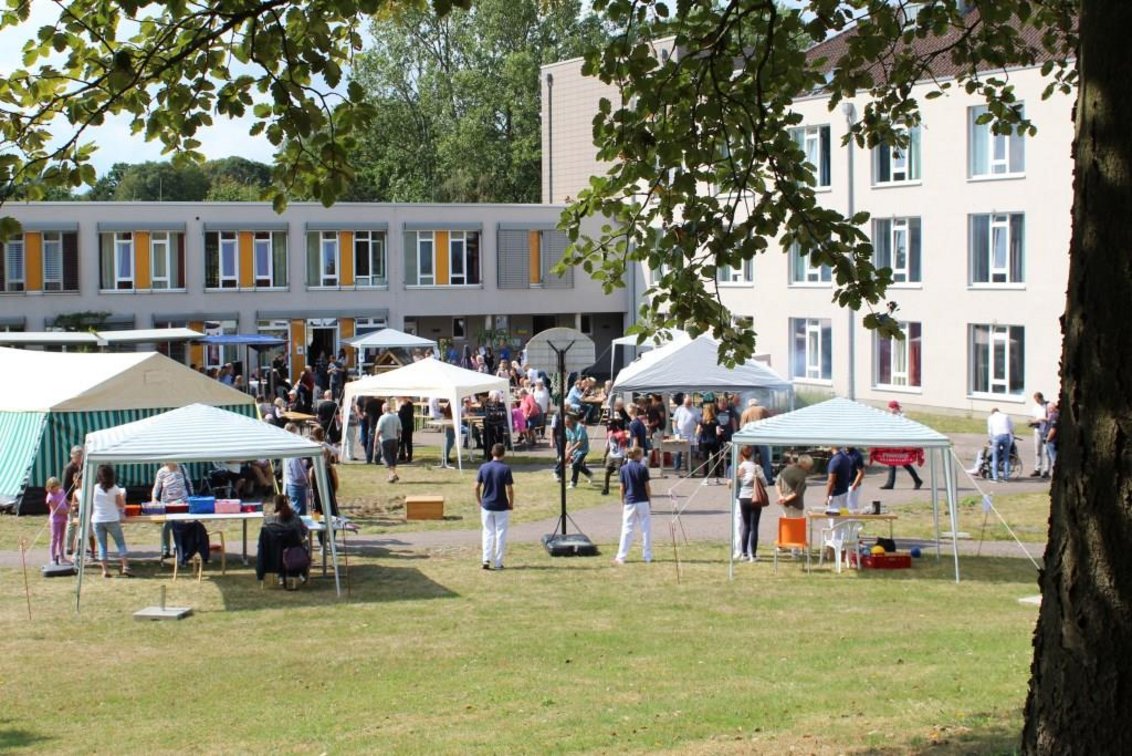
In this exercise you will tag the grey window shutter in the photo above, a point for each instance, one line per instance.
(314, 261)
(553, 247)
(513, 259)
(410, 258)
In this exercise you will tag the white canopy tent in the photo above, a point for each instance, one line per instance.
(686, 364)
(196, 433)
(428, 377)
(388, 338)
(842, 422)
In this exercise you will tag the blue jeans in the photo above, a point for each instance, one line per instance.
(1000, 452)
(1051, 452)
(297, 498)
(449, 443)
(101, 529)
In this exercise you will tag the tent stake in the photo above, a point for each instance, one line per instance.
(24, 562)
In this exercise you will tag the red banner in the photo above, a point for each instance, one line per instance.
(896, 457)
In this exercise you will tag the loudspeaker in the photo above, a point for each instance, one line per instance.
(574, 544)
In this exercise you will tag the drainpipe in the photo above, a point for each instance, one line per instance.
(850, 202)
(550, 138)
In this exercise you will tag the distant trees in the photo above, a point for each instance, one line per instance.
(229, 179)
(455, 99)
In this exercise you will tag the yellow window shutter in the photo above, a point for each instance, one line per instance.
(143, 273)
(247, 259)
(346, 258)
(534, 245)
(33, 261)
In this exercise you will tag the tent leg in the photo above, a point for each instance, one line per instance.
(935, 500)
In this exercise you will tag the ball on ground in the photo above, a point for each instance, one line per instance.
(916, 553)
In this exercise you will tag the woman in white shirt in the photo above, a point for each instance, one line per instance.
(750, 510)
(106, 514)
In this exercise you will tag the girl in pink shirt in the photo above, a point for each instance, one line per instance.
(58, 510)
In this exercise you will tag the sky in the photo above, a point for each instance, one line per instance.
(115, 143)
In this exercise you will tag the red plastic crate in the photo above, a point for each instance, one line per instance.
(887, 561)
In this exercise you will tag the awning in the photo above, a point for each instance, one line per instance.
(21, 432)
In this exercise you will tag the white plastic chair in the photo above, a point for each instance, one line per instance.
(843, 539)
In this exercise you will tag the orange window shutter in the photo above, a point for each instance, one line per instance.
(298, 346)
(33, 262)
(441, 252)
(247, 259)
(346, 258)
(143, 271)
(346, 331)
(196, 350)
(534, 263)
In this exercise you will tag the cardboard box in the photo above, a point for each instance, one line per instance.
(424, 507)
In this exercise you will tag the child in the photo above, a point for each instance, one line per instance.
(58, 510)
(614, 456)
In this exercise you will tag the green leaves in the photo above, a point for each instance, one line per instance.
(704, 170)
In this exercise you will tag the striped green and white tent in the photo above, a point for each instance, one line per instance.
(196, 433)
(49, 401)
(841, 422)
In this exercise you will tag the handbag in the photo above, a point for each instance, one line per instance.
(759, 497)
(296, 559)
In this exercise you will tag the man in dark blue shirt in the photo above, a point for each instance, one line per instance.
(495, 493)
(638, 433)
(635, 495)
(841, 474)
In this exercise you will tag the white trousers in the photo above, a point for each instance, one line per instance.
(854, 499)
(632, 516)
(494, 535)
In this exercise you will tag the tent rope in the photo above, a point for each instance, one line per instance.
(988, 506)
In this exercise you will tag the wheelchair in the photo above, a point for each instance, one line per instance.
(986, 455)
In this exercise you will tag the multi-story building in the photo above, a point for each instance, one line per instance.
(975, 227)
(313, 275)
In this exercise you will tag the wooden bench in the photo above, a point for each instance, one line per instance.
(422, 507)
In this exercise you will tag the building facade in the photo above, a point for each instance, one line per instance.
(975, 227)
(471, 274)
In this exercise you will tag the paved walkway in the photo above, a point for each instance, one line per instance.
(704, 515)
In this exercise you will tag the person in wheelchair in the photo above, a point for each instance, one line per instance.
(982, 466)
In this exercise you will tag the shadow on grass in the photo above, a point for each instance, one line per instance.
(982, 569)
(364, 583)
(988, 739)
(12, 738)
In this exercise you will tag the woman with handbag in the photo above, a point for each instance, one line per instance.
(752, 498)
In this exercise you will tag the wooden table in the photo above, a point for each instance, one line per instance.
(820, 514)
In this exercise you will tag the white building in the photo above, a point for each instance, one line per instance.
(312, 275)
(975, 227)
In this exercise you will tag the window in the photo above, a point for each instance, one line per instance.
(998, 359)
(15, 277)
(116, 261)
(369, 259)
(328, 258)
(811, 349)
(263, 258)
(167, 260)
(814, 142)
(803, 271)
(896, 242)
(53, 261)
(222, 260)
(459, 328)
(464, 258)
(893, 165)
(991, 154)
(426, 274)
(745, 274)
(586, 324)
(898, 361)
(996, 244)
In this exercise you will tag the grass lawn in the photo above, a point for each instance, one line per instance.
(430, 654)
(948, 424)
(379, 507)
(1026, 513)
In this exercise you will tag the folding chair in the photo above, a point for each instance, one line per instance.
(792, 535)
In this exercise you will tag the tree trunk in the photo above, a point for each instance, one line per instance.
(1080, 698)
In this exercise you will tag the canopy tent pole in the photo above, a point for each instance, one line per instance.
(85, 504)
(935, 497)
(457, 407)
(323, 481)
(952, 494)
(734, 535)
